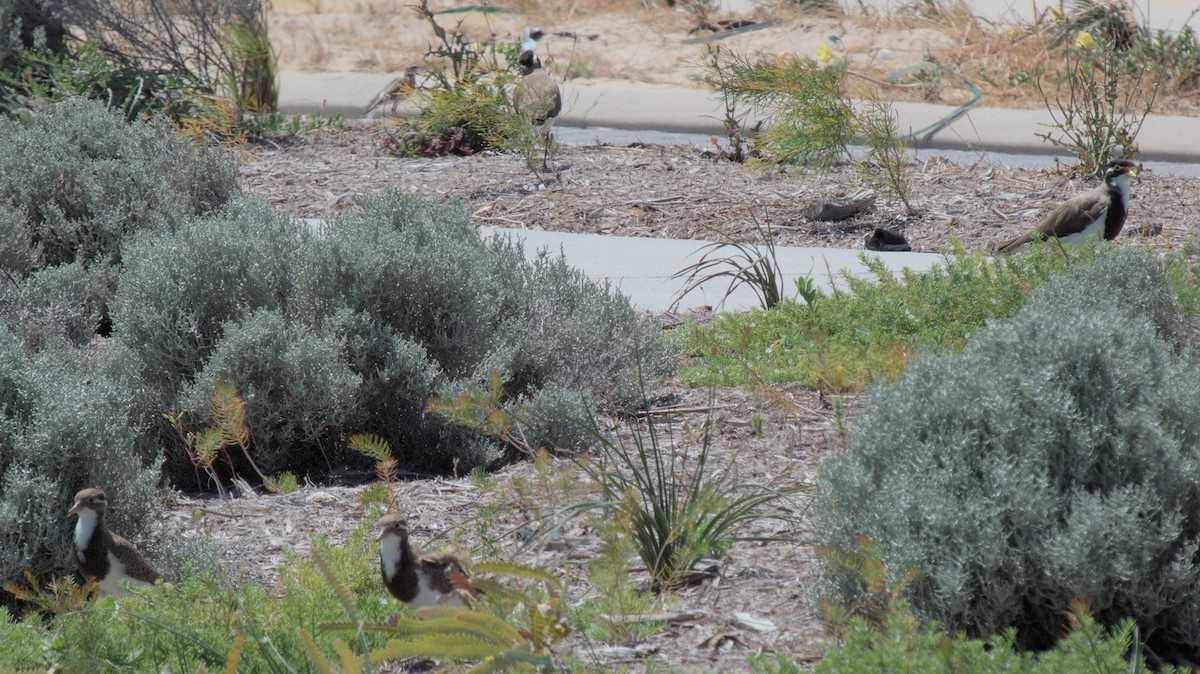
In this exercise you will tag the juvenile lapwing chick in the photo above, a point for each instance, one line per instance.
(1099, 212)
(414, 578)
(536, 96)
(396, 91)
(102, 556)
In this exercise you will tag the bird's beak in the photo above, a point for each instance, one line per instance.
(382, 533)
(75, 508)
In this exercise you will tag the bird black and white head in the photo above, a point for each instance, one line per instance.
(1120, 167)
(393, 525)
(528, 58)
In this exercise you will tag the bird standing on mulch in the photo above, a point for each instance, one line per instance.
(1097, 212)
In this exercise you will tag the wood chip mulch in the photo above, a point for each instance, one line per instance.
(756, 600)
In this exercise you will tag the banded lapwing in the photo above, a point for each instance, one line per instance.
(396, 91)
(102, 556)
(536, 96)
(415, 578)
(1099, 212)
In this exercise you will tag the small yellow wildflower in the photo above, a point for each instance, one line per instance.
(1084, 40)
(1056, 15)
(1012, 31)
(824, 53)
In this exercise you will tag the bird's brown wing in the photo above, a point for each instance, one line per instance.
(440, 568)
(1071, 217)
(537, 96)
(1074, 215)
(136, 566)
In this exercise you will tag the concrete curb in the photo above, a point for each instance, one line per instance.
(638, 106)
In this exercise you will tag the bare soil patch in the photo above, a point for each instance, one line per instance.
(767, 581)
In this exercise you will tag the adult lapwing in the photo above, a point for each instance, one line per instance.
(1099, 212)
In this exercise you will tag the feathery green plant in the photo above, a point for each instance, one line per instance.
(204, 448)
(677, 511)
(752, 264)
(869, 328)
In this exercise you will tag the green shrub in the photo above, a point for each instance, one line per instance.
(902, 646)
(1051, 459)
(353, 330)
(63, 428)
(30, 30)
(297, 385)
(22, 641)
(82, 180)
(867, 331)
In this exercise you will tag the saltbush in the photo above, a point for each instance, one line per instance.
(1051, 459)
(62, 429)
(352, 329)
(76, 181)
(177, 290)
(64, 303)
(298, 387)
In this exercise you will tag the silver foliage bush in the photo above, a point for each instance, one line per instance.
(61, 429)
(353, 329)
(76, 181)
(1056, 457)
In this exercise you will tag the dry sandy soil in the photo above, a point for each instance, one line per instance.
(635, 191)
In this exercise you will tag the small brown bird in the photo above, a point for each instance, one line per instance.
(397, 90)
(1097, 212)
(418, 579)
(102, 556)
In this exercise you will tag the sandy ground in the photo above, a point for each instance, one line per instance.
(625, 40)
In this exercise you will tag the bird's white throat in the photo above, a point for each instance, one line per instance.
(1122, 184)
(389, 554)
(84, 528)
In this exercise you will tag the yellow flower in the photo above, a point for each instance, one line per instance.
(824, 53)
(1084, 40)
(1012, 31)
(1056, 15)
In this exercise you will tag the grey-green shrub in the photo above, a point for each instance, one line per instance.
(82, 179)
(178, 289)
(1053, 458)
(63, 303)
(352, 330)
(63, 428)
(298, 387)
(1132, 281)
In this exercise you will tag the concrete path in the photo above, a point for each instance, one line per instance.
(620, 104)
(641, 268)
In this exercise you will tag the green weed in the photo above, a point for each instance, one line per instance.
(869, 328)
